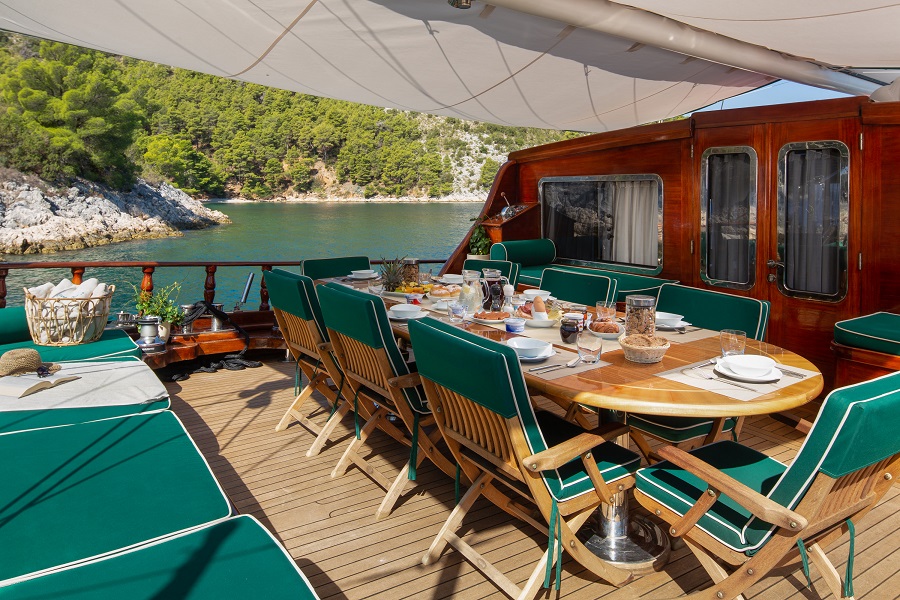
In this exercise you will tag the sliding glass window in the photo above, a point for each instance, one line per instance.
(728, 217)
(611, 219)
(813, 216)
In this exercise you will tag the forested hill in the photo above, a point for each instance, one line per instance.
(69, 112)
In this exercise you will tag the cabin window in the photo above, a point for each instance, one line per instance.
(728, 217)
(813, 194)
(610, 219)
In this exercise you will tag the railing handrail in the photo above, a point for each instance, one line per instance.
(148, 267)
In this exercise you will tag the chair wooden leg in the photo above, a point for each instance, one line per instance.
(328, 428)
(641, 442)
(829, 574)
(393, 493)
(716, 571)
(455, 519)
(293, 413)
(353, 448)
(536, 580)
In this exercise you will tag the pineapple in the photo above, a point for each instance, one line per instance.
(391, 274)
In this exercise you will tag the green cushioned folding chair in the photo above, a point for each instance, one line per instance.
(323, 268)
(299, 315)
(583, 288)
(38, 418)
(78, 492)
(731, 503)
(508, 269)
(365, 349)
(231, 560)
(518, 459)
(709, 310)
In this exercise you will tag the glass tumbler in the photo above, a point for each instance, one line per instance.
(456, 311)
(733, 341)
(589, 347)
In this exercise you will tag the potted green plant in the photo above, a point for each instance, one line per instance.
(162, 304)
(479, 242)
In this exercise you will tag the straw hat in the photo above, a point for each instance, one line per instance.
(21, 361)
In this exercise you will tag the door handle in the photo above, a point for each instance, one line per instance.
(774, 263)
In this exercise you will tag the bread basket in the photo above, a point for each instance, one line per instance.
(645, 349)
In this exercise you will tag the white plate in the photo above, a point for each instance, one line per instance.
(770, 377)
(540, 323)
(363, 277)
(488, 321)
(609, 336)
(550, 351)
(673, 327)
(418, 315)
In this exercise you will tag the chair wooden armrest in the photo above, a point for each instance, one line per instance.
(560, 454)
(762, 507)
(405, 381)
(325, 347)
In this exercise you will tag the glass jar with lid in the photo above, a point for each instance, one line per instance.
(640, 315)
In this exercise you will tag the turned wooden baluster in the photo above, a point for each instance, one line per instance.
(209, 286)
(3, 274)
(77, 275)
(147, 281)
(263, 291)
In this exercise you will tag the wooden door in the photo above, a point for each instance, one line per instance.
(812, 234)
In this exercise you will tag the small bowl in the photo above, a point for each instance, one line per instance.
(668, 319)
(527, 347)
(749, 365)
(541, 323)
(405, 310)
(534, 293)
(455, 279)
(363, 273)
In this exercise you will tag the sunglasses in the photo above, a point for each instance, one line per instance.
(43, 371)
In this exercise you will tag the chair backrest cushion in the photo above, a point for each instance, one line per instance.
(508, 269)
(362, 317)
(856, 427)
(323, 268)
(295, 294)
(584, 288)
(526, 252)
(715, 310)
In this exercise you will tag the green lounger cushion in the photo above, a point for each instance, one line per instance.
(488, 373)
(114, 344)
(81, 491)
(236, 559)
(627, 284)
(879, 332)
(868, 410)
(675, 430)
(715, 310)
(532, 275)
(323, 268)
(525, 252)
(14, 325)
(22, 420)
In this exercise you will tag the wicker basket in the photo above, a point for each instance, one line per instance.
(67, 321)
(643, 352)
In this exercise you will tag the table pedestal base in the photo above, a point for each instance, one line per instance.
(636, 544)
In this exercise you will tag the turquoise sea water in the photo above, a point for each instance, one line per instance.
(261, 232)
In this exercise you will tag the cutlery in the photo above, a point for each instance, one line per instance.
(684, 329)
(790, 373)
(712, 377)
(573, 362)
(545, 369)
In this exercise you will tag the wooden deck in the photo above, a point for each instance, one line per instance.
(328, 524)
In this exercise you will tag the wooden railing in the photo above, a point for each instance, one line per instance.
(148, 268)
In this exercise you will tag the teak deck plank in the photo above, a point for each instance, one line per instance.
(329, 527)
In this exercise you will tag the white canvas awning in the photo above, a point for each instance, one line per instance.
(588, 65)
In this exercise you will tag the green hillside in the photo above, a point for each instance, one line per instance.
(70, 112)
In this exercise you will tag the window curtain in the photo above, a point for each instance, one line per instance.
(635, 232)
(812, 221)
(729, 180)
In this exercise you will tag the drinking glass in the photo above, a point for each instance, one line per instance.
(606, 311)
(733, 341)
(589, 347)
(456, 312)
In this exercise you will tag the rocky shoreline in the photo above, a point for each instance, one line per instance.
(37, 218)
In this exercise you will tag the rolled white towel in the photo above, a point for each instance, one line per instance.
(99, 291)
(41, 291)
(81, 291)
(60, 287)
